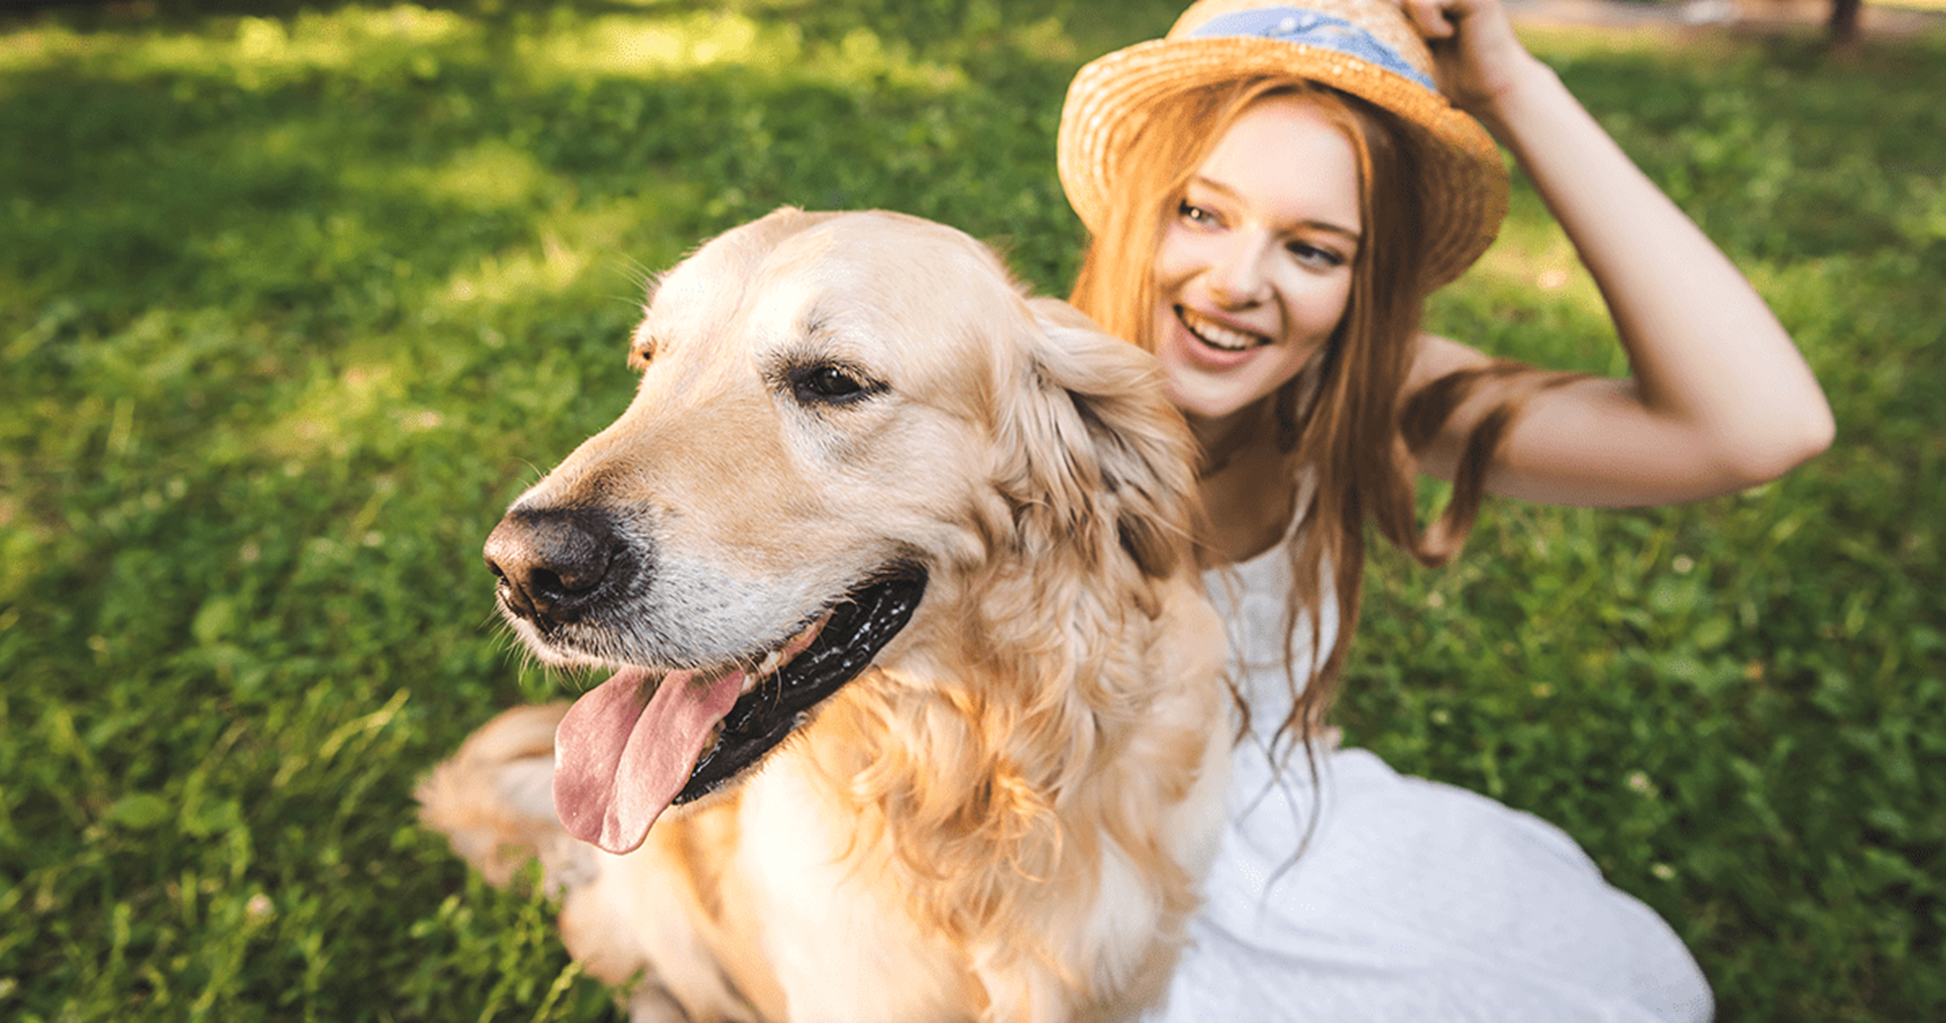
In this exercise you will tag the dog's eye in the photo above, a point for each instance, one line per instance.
(827, 383)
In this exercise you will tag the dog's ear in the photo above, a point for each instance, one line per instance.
(1101, 462)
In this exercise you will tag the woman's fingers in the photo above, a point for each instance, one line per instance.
(1430, 17)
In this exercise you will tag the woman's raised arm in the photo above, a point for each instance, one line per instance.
(1719, 399)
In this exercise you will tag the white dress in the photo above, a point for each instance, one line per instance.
(1414, 901)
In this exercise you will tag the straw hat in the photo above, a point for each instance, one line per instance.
(1363, 47)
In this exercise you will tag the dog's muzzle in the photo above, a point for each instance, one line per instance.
(556, 564)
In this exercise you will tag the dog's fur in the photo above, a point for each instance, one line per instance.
(1007, 815)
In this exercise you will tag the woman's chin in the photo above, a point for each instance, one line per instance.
(1208, 400)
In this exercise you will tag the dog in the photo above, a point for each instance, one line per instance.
(917, 709)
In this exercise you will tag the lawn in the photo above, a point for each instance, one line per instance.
(292, 305)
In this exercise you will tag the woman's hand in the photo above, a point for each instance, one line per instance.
(1478, 59)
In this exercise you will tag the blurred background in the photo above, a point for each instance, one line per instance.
(294, 297)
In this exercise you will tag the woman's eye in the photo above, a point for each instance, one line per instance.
(1311, 255)
(828, 384)
(1194, 214)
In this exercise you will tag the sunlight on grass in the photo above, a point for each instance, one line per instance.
(334, 419)
(653, 48)
(327, 417)
(335, 40)
(1533, 256)
(1529, 297)
(507, 277)
(572, 241)
(371, 44)
(490, 175)
(1922, 214)
(636, 46)
(257, 52)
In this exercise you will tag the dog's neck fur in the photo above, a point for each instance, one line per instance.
(984, 808)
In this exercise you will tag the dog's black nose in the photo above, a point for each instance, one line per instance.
(553, 563)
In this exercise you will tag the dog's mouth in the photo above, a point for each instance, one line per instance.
(642, 741)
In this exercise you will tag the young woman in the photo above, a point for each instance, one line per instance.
(1273, 189)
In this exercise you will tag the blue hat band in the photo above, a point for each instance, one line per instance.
(1310, 28)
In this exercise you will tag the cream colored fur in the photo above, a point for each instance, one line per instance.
(1007, 816)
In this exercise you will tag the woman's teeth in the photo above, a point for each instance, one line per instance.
(1216, 335)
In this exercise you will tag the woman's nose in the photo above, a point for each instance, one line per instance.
(1238, 277)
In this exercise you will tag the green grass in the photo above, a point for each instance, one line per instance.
(290, 307)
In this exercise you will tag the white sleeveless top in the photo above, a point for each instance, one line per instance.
(1413, 901)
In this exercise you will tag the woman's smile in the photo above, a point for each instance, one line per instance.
(1218, 335)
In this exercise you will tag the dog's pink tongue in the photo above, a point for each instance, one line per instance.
(620, 756)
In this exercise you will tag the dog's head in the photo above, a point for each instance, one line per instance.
(845, 422)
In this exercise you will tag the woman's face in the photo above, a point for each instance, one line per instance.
(1253, 269)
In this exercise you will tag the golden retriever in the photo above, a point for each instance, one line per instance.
(892, 567)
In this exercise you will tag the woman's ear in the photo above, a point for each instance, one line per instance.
(1106, 462)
